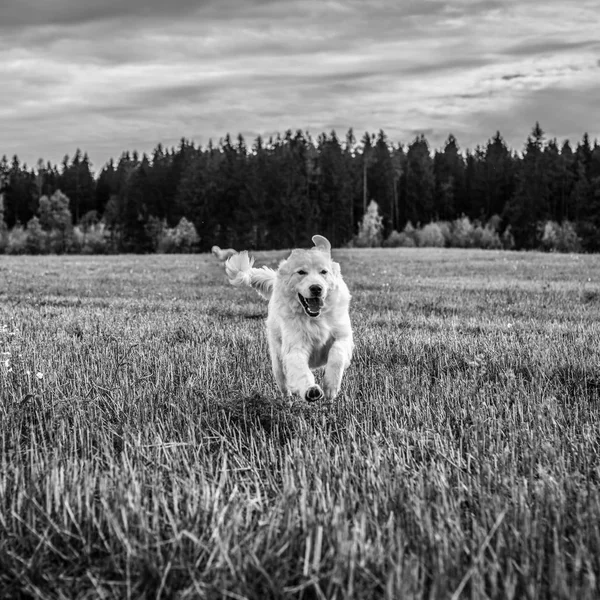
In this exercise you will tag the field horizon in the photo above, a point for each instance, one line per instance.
(146, 453)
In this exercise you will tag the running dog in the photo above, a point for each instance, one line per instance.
(308, 322)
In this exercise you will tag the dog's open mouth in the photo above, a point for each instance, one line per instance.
(312, 306)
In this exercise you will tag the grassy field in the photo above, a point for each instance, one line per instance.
(144, 451)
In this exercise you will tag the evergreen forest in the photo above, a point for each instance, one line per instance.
(278, 192)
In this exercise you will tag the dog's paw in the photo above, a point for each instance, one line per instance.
(331, 392)
(314, 393)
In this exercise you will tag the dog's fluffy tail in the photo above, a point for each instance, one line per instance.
(240, 271)
(224, 254)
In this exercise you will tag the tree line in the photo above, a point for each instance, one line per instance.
(278, 193)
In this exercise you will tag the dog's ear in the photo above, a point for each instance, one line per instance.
(284, 269)
(322, 243)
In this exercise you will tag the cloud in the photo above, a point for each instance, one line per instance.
(111, 75)
(32, 13)
(558, 109)
(550, 46)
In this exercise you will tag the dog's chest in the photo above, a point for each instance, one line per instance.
(320, 341)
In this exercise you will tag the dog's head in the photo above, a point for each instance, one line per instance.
(310, 276)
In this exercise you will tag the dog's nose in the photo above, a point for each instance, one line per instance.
(315, 290)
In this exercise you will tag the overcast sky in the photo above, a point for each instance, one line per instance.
(111, 75)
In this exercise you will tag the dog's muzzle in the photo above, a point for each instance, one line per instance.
(312, 306)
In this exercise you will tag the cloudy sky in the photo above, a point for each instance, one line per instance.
(111, 75)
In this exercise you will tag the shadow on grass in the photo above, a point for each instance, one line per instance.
(257, 412)
(280, 419)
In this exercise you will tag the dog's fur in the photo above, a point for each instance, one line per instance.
(308, 323)
(224, 254)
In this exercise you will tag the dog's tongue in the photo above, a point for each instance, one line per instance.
(314, 304)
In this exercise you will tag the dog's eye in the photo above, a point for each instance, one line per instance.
(301, 272)
(324, 272)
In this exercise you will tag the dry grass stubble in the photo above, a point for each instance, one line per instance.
(144, 452)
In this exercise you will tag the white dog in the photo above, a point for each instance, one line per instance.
(223, 254)
(308, 324)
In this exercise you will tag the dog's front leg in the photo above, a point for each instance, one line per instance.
(338, 360)
(279, 373)
(299, 377)
(276, 360)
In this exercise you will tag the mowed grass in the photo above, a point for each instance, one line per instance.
(144, 451)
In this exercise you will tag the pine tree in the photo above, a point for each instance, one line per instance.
(567, 182)
(382, 180)
(4, 179)
(197, 196)
(352, 161)
(134, 211)
(418, 183)
(106, 186)
(500, 181)
(556, 165)
(334, 190)
(530, 204)
(585, 196)
(367, 157)
(449, 174)
(476, 183)
(398, 166)
(3, 184)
